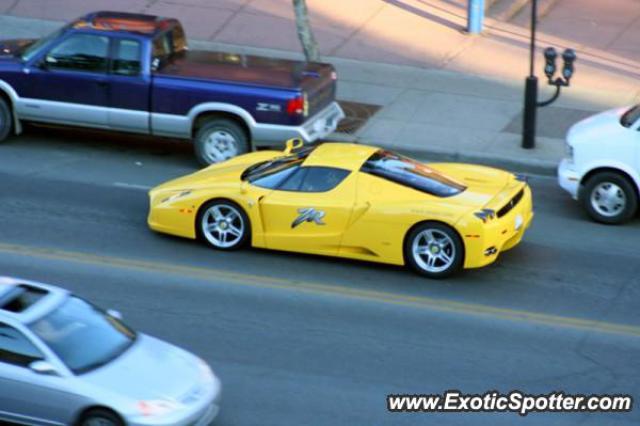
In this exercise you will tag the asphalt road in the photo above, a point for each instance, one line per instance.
(304, 340)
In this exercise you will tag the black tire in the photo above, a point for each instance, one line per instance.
(236, 219)
(6, 120)
(232, 141)
(611, 208)
(107, 417)
(439, 247)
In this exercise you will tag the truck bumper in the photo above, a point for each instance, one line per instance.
(317, 127)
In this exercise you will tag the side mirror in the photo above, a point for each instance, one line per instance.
(292, 144)
(43, 367)
(115, 314)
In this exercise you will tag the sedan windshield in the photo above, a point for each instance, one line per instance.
(631, 116)
(410, 173)
(83, 336)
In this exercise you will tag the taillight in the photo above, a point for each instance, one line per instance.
(295, 105)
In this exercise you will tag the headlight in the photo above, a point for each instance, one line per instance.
(176, 195)
(568, 151)
(158, 407)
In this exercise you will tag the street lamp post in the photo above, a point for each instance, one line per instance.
(531, 103)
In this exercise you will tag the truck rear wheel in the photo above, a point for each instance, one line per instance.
(220, 139)
(5, 120)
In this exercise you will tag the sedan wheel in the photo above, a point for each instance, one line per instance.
(609, 198)
(434, 250)
(224, 225)
(100, 417)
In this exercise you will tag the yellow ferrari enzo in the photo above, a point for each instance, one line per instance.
(349, 200)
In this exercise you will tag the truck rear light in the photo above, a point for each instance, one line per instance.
(298, 105)
(334, 75)
(295, 106)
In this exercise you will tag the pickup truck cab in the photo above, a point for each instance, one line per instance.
(134, 73)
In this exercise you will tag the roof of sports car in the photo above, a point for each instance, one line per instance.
(342, 155)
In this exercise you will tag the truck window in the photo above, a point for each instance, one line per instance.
(126, 59)
(80, 52)
(179, 39)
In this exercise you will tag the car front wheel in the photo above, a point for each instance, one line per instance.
(610, 198)
(100, 417)
(434, 250)
(223, 225)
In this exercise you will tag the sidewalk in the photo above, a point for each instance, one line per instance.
(458, 97)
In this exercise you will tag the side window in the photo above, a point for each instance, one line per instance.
(126, 59)
(80, 52)
(179, 39)
(273, 180)
(315, 179)
(161, 50)
(15, 348)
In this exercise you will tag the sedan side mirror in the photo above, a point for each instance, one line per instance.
(115, 314)
(43, 367)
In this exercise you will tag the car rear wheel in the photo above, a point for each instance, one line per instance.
(610, 198)
(5, 120)
(223, 225)
(434, 250)
(100, 417)
(219, 139)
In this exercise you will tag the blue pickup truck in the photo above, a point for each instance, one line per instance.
(135, 73)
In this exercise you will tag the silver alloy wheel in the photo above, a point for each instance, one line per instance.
(222, 225)
(220, 145)
(433, 250)
(608, 199)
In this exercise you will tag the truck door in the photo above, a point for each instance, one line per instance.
(69, 84)
(130, 87)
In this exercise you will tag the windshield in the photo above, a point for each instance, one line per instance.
(83, 336)
(33, 48)
(408, 172)
(631, 116)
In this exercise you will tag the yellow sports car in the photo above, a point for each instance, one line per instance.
(350, 200)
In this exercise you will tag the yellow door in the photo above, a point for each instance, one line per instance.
(310, 212)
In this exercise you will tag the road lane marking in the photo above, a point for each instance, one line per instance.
(240, 278)
(132, 186)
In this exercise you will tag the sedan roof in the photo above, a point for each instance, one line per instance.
(347, 156)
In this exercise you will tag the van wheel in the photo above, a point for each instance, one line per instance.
(6, 121)
(219, 139)
(609, 198)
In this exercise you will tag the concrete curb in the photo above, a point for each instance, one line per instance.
(530, 165)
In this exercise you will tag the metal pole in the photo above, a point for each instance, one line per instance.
(531, 88)
(475, 16)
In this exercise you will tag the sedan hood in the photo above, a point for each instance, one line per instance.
(11, 48)
(602, 126)
(225, 173)
(150, 370)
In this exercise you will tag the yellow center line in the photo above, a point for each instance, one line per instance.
(244, 279)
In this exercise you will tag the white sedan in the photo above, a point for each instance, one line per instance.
(602, 165)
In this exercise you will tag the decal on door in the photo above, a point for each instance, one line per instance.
(309, 214)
